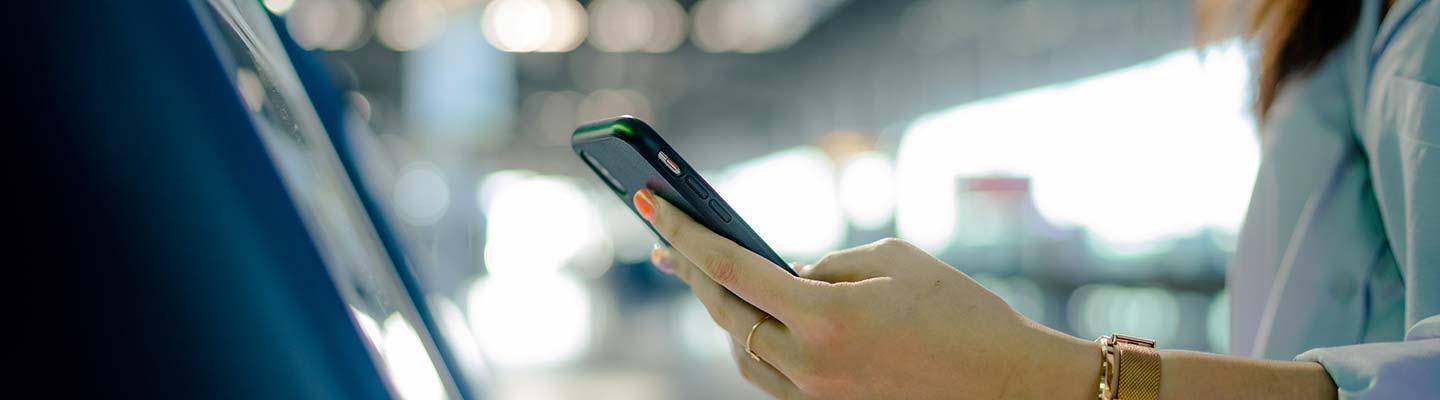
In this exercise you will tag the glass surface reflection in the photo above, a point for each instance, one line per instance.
(311, 170)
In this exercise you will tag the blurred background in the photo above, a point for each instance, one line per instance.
(1083, 159)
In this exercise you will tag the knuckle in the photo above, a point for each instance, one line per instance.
(721, 267)
(832, 260)
(829, 259)
(886, 248)
(891, 244)
(804, 270)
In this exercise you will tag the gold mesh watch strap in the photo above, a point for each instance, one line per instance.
(1137, 372)
(1130, 369)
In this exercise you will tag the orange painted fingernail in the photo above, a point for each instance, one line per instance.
(645, 203)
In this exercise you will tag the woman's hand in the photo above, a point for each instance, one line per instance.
(883, 320)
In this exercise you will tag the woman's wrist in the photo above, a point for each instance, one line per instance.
(1056, 366)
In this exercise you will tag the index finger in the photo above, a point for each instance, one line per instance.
(748, 275)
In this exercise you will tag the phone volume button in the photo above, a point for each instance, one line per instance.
(696, 187)
(719, 210)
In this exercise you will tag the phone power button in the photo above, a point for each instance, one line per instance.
(669, 163)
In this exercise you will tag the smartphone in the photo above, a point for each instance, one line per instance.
(628, 155)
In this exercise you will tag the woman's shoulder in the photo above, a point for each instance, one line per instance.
(1408, 43)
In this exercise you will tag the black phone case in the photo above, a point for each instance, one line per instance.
(630, 150)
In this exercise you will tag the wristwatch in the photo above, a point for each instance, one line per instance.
(1129, 368)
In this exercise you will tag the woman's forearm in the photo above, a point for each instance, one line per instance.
(1196, 375)
(1073, 367)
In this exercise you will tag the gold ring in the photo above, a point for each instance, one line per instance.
(751, 337)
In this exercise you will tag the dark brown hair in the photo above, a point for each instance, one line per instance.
(1293, 36)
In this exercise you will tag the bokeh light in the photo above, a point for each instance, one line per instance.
(404, 25)
(278, 7)
(522, 233)
(534, 25)
(329, 24)
(867, 190)
(421, 193)
(497, 182)
(620, 25)
(717, 24)
(1101, 309)
(530, 321)
(1106, 157)
(753, 26)
(654, 26)
(669, 26)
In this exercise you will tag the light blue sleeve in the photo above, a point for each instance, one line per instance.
(1401, 130)
(1389, 370)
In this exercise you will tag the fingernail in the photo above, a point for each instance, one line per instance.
(660, 258)
(645, 203)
